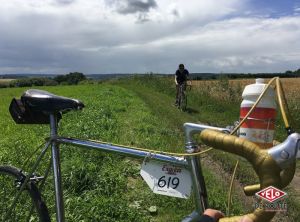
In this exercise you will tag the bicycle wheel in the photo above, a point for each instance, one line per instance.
(183, 101)
(29, 205)
(179, 99)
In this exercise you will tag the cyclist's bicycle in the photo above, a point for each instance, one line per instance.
(182, 95)
(22, 200)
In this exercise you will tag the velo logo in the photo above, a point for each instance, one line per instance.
(271, 194)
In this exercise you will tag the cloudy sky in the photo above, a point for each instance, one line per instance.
(125, 36)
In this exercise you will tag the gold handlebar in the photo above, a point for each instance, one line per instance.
(267, 170)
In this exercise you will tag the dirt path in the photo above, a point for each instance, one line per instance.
(295, 184)
(223, 175)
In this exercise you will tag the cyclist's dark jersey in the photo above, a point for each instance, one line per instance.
(181, 77)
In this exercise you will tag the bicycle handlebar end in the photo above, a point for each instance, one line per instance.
(250, 190)
(286, 177)
(265, 165)
(257, 216)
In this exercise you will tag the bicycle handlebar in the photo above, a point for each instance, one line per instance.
(266, 163)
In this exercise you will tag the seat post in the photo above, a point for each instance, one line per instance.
(60, 217)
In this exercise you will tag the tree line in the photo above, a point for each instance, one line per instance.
(287, 74)
(73, 78)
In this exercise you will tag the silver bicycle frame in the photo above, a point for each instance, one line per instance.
(192, 163)
(60, 216)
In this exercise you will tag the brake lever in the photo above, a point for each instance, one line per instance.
(287, 152)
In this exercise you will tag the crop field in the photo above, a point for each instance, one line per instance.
(231, 90)
(5, 80)
(139, 112)
(290, 85)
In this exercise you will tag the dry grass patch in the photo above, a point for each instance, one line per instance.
(6, 80)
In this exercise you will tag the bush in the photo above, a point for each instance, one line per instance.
(3, 85)
(20, 83)
(73, 78)
(50, 82)
(28, 82)
(87, 82)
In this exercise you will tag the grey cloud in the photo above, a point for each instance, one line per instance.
(134, 6)
(142, 18)
(58, 43)
(175, 12)
(65, 2)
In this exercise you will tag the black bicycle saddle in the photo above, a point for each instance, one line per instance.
(43, 101)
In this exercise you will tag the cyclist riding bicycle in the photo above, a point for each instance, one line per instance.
(181, 77)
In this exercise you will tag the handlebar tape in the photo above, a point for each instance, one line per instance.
(265, 167)
(286, 177)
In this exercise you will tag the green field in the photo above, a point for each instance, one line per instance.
(135, 112)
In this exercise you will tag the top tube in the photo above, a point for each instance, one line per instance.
(123, 150)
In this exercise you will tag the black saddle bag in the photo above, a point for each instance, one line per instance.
(24, 115)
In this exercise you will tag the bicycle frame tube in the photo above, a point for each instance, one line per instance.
(192, 163)
(199, 187)
(55, 141)
(181, 95)
(60, 215)
(123, 150)
(181, 90)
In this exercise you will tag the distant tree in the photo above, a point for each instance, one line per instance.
(21, 83)
(28, 82)
(72, 78)
(60, 78)
(75, 77)
(37, 81)
(50, 82)
(289, 72)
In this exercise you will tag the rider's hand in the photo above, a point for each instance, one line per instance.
(246, 219)
(215, 214)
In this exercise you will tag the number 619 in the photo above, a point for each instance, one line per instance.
(170, 181)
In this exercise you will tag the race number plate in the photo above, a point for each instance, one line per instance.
(167, 179)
